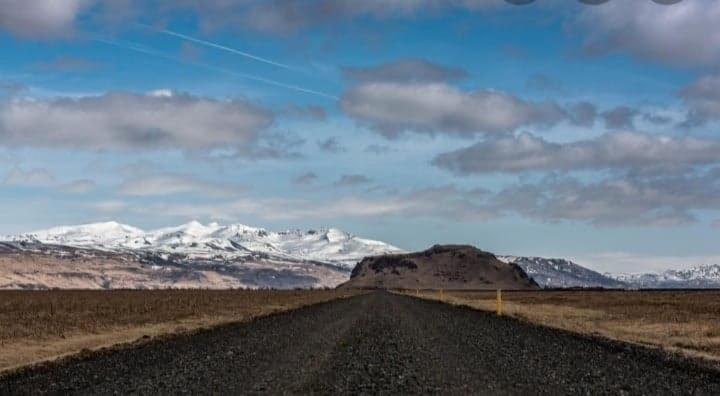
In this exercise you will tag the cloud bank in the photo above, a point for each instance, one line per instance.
(526, 152)
(435, 108)
(123, 120)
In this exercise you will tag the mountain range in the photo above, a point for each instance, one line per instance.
(561, 273)
(114, 255)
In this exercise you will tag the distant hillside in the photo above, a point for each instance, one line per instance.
(442, 266)
(555, 272)
(700, 277)
(113, 255)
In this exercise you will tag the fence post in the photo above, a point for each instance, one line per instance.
(441, 295)
(499, 302)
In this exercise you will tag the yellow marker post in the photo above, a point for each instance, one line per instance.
(499, 302)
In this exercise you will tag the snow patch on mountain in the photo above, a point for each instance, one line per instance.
(561, 273)
(701, 277)
(198, 241)
(193, 255)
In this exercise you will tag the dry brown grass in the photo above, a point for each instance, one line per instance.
(681, 321)
(38, 325)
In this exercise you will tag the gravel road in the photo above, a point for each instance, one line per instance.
(376, 343)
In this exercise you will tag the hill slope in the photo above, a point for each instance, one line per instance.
(555, 272)
(440, 267)
(700, 277)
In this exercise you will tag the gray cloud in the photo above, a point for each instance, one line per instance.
(352, 180)
(11, 87)
(649, 201)
(657, 201)
(331, 145)
(112, 205)
(47, 18)
(657, 119)
(167, 184)
(686, 33)
(41, 177)
(269, 145)
(582, 114)
(404, 70)
(621, 117)
(37, 177)
(39, 18)
(393, 108)
(543, 82)
(378, 149)
(432, 202)
(67, 63)
(82, 186)
(310, 112)
(285, 16)
(305, 178)
(526, 152)
(703, 99)
(122, 120)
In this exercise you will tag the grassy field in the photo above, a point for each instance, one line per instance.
(681, 321)
(38, 325)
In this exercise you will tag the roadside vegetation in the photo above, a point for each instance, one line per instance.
(37, 325)
(680, 321)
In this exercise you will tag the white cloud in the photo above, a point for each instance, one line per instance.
(405, 70)
(122, 120)
(37, 177)
(664, 200)
(392, 108)
(39, 17)
(167, 184)
(352, 180)
(284, 16)
(526, 152)
(112, 205)
(83, 186)
(436, 202)
(686, 33)
(305, 178)
(703, 99)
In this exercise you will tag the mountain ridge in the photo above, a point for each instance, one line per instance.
(196, 240)
(192, 255)
(238, 255)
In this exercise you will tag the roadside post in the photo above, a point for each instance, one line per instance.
(499, 302)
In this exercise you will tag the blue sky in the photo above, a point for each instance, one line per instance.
(555, 128)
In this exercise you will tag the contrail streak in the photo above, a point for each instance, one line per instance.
(139, 48)
(219, 46)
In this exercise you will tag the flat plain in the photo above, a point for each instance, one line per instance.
(39, 325)
(684, 321)
(376, 343)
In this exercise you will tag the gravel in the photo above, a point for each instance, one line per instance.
(372, 344)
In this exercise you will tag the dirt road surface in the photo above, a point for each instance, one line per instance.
(372, 344)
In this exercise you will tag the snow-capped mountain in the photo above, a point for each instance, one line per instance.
(552, 272)
(704, 276)
(113, 255)
(197, 241)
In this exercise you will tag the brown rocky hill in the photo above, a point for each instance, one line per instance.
(440, 267)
